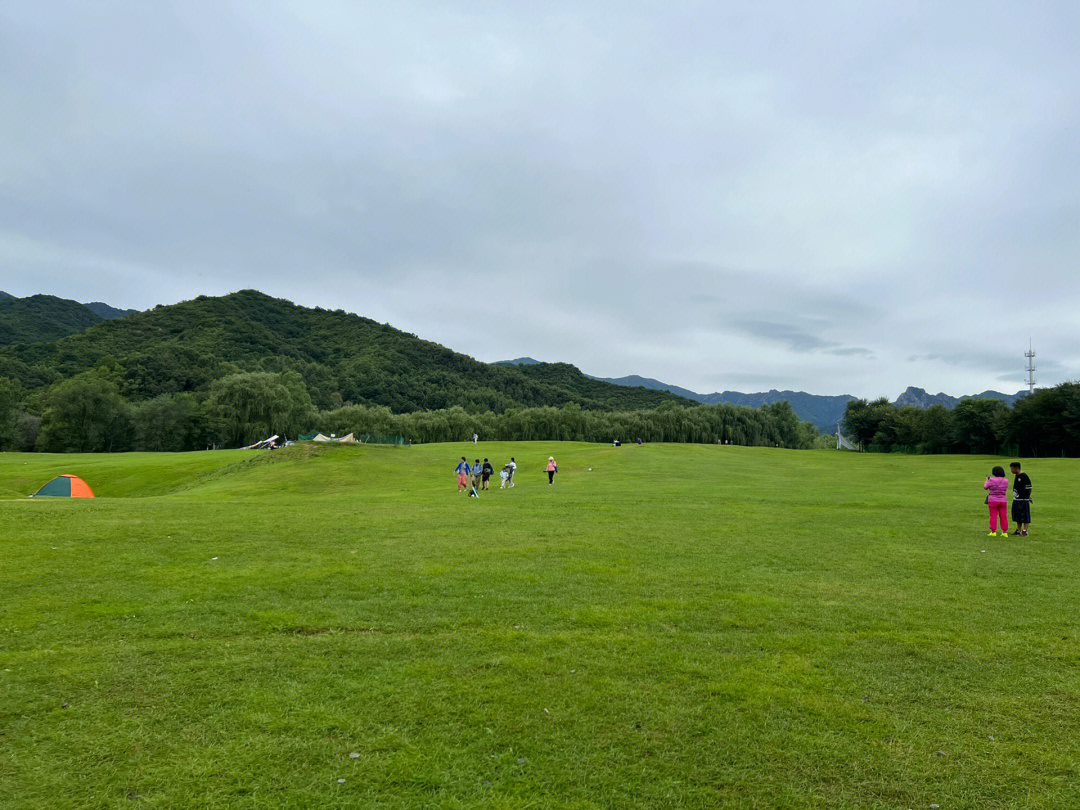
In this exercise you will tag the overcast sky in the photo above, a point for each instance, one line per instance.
(851, 198)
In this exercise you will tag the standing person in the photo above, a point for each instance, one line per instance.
(477, 474)
(513, 469)
(504, 476)
(551, 468)
(475, 438)
(997, 498)
(1021, 505)
(485, 473)
(463, 471)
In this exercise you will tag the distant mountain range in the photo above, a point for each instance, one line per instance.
(521, 361)
(105, 312)
(921, 399)
(39, 318)
(823, 411)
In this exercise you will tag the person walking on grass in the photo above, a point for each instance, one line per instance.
(485, 473)
(551, 468)
(463, 470)
(512, 467)
(1021, 505)
(477, 474)
(997, 498)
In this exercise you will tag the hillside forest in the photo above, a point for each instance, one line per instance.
(231, 370)
(228, 371)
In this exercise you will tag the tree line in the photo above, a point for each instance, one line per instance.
(1043, 423)
(88, 413)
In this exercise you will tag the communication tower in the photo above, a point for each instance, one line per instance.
(1030, 355)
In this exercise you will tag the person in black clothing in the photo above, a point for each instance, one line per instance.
(485, 473)
(1021, 505)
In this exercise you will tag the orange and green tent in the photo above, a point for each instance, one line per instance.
(65, 486)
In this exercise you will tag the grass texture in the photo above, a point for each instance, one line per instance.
(665, 626)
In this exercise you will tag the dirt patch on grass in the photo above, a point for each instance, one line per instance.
(308, 630)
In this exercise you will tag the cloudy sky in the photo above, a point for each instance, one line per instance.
(851, 198)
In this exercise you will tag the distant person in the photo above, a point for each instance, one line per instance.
(463, 469)
(639, 440)
(513, 469)
(1021, 505)
(475, 438)
(485, 474)
(504, 476)
(551, 468)
(477, 474)
(997, 498)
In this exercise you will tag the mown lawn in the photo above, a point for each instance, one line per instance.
(680, 626)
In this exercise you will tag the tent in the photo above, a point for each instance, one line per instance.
(65, 486)
(265, 444)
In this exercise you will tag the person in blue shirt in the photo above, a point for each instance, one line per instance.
(463, 471)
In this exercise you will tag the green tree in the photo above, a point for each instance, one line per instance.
(862, 419)
(1047, 422)
(254, 405)
(27, 430)
(975, 425)
(85, 414)
(170, 423)
(935, 430)
(9, 408)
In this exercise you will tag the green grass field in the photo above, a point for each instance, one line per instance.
(691, 626)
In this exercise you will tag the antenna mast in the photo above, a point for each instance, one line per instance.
(1030, 355)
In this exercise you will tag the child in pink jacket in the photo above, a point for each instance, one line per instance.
(997, 498)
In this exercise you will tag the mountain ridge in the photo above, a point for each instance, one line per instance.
(103, 310)
(38, 318)
(518, 361)
(822, 410)
(341, 357)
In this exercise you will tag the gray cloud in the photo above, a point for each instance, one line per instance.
(852, 351)
(788, 335)
(840, 200)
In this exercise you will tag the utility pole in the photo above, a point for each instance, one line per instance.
(1030, 355)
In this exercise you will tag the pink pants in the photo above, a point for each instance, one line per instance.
(999, 511)
(462, 481)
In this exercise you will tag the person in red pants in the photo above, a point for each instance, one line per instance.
(997, 498)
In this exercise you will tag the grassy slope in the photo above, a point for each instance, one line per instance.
(685, 625)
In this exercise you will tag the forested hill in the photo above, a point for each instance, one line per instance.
(39, 318)
(42, 317)
(341, 357)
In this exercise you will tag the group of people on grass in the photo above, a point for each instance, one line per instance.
(476, 477)
(997, 499)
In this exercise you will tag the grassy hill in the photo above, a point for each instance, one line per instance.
(246, 629)
(42, 318)
(184, 347)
